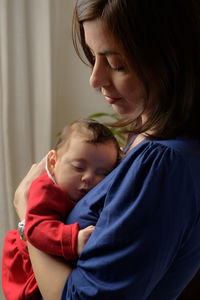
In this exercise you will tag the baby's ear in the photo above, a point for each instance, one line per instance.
(51, 161)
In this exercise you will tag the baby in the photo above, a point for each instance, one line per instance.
(84, 154)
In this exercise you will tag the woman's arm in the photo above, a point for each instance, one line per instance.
(50, 273)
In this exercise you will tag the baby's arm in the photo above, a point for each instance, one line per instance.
(83, 237)
(18, 279)
(44, 228)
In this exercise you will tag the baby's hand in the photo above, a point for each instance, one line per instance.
(83, 237)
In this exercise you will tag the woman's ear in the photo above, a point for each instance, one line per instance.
(51, 161)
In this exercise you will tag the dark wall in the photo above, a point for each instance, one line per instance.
(192, 290)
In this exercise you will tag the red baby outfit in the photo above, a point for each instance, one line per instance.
(47, 208)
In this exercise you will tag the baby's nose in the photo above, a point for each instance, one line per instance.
(88, 178)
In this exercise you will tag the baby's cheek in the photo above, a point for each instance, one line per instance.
(98, 179)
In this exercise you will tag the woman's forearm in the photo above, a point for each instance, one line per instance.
(50, 272)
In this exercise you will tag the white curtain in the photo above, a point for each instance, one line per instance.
(43, 85)
(25, 96)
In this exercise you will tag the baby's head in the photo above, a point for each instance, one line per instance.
(84, 154)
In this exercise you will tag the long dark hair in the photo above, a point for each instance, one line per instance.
(161, 42)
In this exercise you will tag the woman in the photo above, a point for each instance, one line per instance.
(145, 59)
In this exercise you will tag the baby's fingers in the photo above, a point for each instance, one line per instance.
(88, 231)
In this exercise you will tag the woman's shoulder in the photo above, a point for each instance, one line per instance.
(155, 170)
(180, 153)
(181, 146)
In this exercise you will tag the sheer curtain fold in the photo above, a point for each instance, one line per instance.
(25, 96)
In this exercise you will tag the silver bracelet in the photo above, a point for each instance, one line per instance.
(20, 227)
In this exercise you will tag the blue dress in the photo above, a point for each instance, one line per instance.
(146, 243)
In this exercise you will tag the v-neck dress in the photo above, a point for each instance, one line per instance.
(146, 243)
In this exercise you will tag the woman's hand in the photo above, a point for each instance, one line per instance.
(21, 193)
(83, 237)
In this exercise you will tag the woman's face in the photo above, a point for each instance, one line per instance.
(119, 85)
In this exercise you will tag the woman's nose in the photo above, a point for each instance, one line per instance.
(100, 77)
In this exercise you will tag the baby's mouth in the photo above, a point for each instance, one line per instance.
(83, 191)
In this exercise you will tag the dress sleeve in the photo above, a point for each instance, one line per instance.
(44, 225)
(139, 231)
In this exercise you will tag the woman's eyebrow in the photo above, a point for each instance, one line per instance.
(108, 53)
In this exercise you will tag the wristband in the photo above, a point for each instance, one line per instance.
(21, 230)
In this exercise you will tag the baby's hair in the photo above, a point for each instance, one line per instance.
(97, 133)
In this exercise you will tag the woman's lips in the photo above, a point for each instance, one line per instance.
(111, 100)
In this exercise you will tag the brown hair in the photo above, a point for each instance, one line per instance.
(98, 134)
(161, 41)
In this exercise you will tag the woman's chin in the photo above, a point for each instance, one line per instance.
(125, 112)
(121, 112)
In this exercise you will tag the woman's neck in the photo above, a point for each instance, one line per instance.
(136, 141)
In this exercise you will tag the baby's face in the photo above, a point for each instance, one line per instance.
(80, 165)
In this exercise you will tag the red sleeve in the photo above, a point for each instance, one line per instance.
(18, 279)
(48, 205)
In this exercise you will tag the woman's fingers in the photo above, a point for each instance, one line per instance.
(21, 193)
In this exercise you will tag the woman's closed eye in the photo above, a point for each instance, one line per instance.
(118, 69)
(115, 63)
